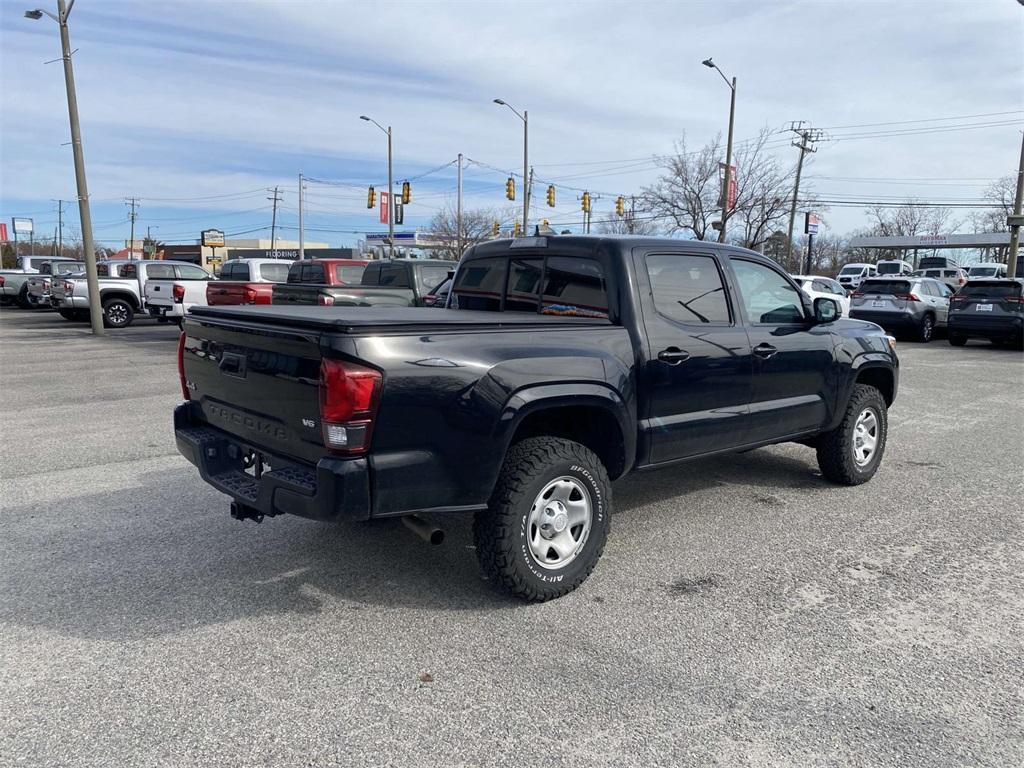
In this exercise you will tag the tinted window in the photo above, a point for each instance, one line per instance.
(885, 287)
(429, 276)
(687, 289)
(295, 272)
(192, 273)
(480, 283)
(523, 285)
(991, 290)
(767, 296)
(851, 270)
(394, 275)
(932, 273)
(313, 273)
(821, 286)
(889, 268)
(350, 274)
(574, 287)
(37, 263)
(153, 271)
(274, 273)
(982, 272)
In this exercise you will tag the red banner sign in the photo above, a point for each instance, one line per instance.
(385, 207)
(732, 185)
(3, 232)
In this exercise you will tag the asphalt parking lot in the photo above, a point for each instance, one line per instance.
(744, 613)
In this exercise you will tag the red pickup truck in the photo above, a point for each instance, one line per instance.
(251, 281)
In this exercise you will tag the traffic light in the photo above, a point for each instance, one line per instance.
(510, 188)
(517, 231)
(496, 228)
(620, 205)
(406, 192)
(551, 195)
(586, 202)
(371, 198)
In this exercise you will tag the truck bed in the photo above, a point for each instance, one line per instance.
(367, 320)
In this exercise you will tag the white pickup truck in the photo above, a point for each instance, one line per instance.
(122, 289)
(170, 299)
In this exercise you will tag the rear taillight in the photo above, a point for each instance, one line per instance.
(956, 298)
(178, 294)
(1014, 300)
(962, 281)
(69, 289)
(46, 285)
(857, 295)
(250, 295)
(325, 301)
(906, 297)
(181, 367)
(349, 394)
(2, 281)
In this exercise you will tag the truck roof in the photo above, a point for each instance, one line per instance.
(587, 244)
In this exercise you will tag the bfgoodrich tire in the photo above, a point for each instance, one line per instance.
(548, 519)
(117, 313)
(850, 453)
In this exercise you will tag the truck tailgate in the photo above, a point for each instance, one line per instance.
(258, 383)
(159, 292)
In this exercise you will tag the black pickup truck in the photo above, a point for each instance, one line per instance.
(561, 364)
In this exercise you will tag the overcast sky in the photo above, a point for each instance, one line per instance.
(197, 108)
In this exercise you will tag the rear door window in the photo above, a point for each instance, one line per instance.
(688, 289)
(295, 272)
(427, 276)
(274, 273)
(480, 283)
(574, 287)
(153, 271)
(313, 273)
(350, 274)
(187, 272)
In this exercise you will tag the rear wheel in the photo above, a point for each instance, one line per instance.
(957, 339)
(926, 330)
(548, 519)
(850, 453)
(23, 300)
(117, 313)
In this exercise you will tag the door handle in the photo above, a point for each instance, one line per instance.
(673, 356)
(765, 351)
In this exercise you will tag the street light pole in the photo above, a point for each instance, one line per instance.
(92, 279)
(525, 117)
(728, 147)
(391, 202)
(1018, 202)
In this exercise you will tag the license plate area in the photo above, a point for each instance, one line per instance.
(877, 303)
(982, 307)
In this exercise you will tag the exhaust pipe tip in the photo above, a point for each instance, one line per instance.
(429, 532)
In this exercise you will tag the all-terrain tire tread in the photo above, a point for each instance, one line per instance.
(835, 459)
(495, 529)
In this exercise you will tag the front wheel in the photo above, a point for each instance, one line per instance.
(956, 339)
(117, 313)
(850, 453)
(548, 519)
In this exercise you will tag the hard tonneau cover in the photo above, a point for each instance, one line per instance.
(383, 319)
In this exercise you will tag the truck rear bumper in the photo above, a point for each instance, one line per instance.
(335, 489)
(165, 310)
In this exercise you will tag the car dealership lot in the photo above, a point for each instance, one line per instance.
(744, 612)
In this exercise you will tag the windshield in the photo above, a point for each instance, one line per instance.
(852, 270)
(891, 268)
(885, 287)
(428, 277)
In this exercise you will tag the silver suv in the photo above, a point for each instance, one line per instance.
(915, 305)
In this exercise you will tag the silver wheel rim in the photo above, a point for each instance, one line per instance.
(865, 437)
(117, 314)
(559, 523)
(927, 334)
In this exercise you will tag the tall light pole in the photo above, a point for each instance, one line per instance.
(728, 146)
(92, 279)
(525, 117)
(391, 191)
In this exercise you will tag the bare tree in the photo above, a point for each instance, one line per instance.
(906, 220)
(685, 196)
(477, 226)
(1000, 194)
(633, 223)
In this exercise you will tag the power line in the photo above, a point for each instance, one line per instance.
(924, 120)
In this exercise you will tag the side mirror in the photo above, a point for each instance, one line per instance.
(825, 311)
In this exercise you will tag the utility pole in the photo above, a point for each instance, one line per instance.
(1018, 201)
(458, 211)
(133, 202)
(302, 234)
(60, 228)
(807, 137)
(92, 279)
(632, 214)
(273, 224)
